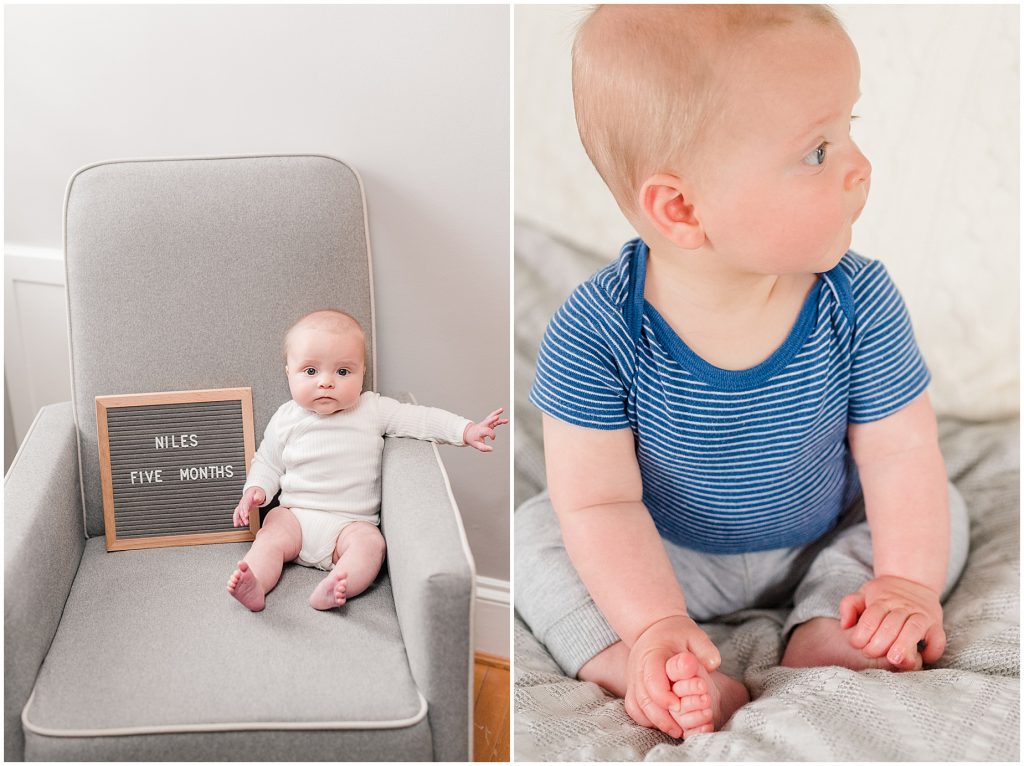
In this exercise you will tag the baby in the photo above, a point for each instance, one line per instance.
(323, 451)
(734, 411)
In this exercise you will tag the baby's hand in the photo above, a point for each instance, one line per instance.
(649, 694)
(253, 497)
(892, 616)
(476, 434)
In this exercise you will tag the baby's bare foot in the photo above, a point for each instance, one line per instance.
(706, 701)
(331, 591)
(821, 642)
(244, 586)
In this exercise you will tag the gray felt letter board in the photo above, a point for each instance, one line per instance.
(174, 465)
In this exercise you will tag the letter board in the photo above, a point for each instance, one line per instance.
(173, 466)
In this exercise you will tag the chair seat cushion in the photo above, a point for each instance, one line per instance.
(151, 645)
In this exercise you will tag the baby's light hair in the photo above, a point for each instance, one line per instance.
(646, 78)
(332, 320)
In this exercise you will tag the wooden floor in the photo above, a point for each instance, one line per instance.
(491, 723)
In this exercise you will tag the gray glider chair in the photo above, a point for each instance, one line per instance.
(184, 274)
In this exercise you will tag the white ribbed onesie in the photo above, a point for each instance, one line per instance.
(328, 467)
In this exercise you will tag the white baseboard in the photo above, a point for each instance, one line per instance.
(493, 615)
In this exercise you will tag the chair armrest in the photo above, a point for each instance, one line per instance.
(432, 577)
(43, 542)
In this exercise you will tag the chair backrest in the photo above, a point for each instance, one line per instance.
(186, 273)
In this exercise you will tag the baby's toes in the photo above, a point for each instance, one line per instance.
(707, 728)
(693, 702)
(689, 686)
(682, 666)
(694, 718)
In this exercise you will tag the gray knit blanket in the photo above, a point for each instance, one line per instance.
(965, 708)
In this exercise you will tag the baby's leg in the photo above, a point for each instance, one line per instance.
(841, 568)
(358, 556)
(279, 540)
(552, 599)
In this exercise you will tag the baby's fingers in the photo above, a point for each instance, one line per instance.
(935, 643)
(869, 622)
(850, 609)
(887, 633)
(705, 650)
(659, 717)
(655, 682)
(904, 653)
(633, 711)
(653, 696)
(642, 709)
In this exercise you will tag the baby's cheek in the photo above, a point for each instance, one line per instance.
(822, 223)
(301, 391)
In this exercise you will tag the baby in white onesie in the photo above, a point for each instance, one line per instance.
(323, 450)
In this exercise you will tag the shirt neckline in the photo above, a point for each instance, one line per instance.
(689, 360)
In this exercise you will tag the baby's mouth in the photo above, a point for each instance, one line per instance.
(860, 209)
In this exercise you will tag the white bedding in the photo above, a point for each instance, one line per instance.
(965, 708)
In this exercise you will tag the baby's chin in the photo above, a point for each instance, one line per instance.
(327, 406)
(831, 262)
(832, 259)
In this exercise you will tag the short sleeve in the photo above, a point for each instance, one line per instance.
(580, 375)
(888, 371)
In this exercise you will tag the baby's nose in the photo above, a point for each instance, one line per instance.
(860, 172)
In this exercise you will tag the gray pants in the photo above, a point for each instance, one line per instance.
(813, 578)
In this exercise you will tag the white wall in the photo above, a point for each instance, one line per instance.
(940, 123)
(414, 97)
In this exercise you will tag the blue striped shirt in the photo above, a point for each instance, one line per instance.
(734, 461)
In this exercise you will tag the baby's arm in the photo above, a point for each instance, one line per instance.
(435, 424)
(904, 481)
(264, 475)
(596, 490)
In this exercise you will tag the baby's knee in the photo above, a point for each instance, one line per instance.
(366, 536)
(281, 529)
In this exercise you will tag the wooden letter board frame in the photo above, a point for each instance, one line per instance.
(107, 403)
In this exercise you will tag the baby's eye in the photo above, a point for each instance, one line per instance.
(817, 157)
(343, 372)
(310, 371)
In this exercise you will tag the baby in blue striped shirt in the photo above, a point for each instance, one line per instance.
(735, 410)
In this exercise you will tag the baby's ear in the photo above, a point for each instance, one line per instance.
(666, 204)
